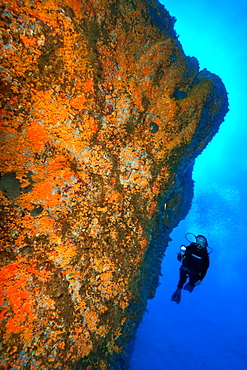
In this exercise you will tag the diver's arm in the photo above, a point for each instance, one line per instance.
(203, 274)
(204, 271)
(181, 253)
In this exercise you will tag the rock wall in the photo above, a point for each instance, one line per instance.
(102, 117)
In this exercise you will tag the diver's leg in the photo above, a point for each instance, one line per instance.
(193, 278)
(176, 297)
(182, 277)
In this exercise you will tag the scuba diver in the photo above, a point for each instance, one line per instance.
(195, 263)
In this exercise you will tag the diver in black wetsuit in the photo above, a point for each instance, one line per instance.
(195, 262)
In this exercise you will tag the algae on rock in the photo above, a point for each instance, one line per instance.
(102, 117)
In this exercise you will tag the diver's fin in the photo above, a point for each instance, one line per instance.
(190, 287)
(176, 297)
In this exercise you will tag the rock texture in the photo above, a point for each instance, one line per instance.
(102, 117)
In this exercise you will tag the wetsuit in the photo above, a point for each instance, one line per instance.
(195, 263)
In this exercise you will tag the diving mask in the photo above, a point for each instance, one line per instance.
(201, 242)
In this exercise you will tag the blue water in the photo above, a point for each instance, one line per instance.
(207, 330)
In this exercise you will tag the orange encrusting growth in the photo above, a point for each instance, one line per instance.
(89, 127)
